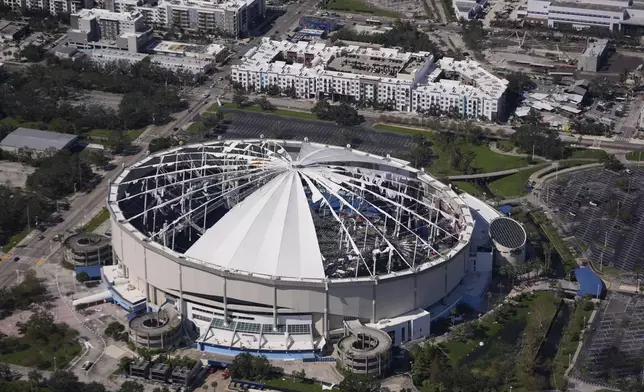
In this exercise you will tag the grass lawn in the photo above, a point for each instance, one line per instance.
(496, 331)
(505, 145)
(468, 187)
(514, 184)
(96, 221)
(294, 385)
(588, 153)
(487, 161)
(41, 356)
(568, 343)
(279, 112)
(15, 239)
(635, 156)
(132, 134)
(359, 6)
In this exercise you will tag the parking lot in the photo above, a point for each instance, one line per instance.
(251, 125)
(602, 210)
(615, 345)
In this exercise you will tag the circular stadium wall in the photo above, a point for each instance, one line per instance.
(509, 238)
(281, 230)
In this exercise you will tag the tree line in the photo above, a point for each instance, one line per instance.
(51, 95)
(403, 34)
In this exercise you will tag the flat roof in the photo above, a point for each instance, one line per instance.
(36, 139)
(89, 13)
(11, 27)
(507, 232)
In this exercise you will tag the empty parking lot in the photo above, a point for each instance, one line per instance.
(615, 346)
(252, 125)
(602, 210)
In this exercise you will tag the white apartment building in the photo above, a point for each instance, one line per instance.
(408, 82)
(103, 29)
(53, 6)
(469, 90)
(352, 73)
(233, 17)
(613, 15)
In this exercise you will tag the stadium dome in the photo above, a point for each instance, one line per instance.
(299, 220)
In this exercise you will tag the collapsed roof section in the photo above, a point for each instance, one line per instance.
(289, 209)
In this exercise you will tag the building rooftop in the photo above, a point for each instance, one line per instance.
(91, 13)
(312, 59)
(10, 27)
(35, 139)
(507, 232)
(212, 5)
(475, 75)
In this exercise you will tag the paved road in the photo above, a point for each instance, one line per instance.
(34, 251)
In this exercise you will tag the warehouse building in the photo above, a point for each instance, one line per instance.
(41, 142)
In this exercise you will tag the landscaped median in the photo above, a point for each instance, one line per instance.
(559, 244)
(636, 156)
(569, 342)
(278, 112)
(97, 220)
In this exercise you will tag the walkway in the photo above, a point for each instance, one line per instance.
(494, 147)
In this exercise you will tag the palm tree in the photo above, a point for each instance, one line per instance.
(453, 313)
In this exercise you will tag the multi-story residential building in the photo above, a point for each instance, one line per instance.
(103, 29)
(462, 87)
(349, 73)
(613, 15)
(53, 6)
(233, 17)
(408, 82)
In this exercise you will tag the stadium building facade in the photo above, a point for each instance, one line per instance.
(271, 245)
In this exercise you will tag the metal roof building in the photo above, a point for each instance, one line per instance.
(37, 140)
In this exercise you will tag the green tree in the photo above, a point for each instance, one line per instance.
(125, 363)
(82, 277)
(118, 142)
(264, 103)
(611, 162)
(5, 372)
(198, 129)
(132, 386)
(161, 143)
(239, 99)
(249, 367)
(95, 158)
(63, 381)
(359, 383)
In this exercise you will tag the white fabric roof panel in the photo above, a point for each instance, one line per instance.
(271, 232)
